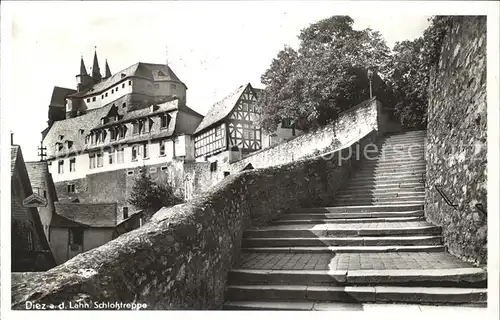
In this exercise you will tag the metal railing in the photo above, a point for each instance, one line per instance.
(479, 206)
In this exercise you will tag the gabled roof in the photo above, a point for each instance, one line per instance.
(18, 165)
(151, 71)
(37, 172)
(97, 215)
(221, 109)
(59, 95)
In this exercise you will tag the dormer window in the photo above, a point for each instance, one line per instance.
(69, 144)
(82, 131)
(59, 146)
(165, 120)
(61, 137)
(123, 75)
(103, 120)
(135, 127)
(161, 74)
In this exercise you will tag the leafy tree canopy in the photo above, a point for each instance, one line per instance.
(325, 76)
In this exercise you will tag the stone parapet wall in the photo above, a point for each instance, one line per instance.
(456, 140)
(350, 126)
(180, 259)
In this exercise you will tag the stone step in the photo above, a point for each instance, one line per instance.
(284, 221)
(346, 249)
(356, 293)
(387, 179)
(312, 240)
(378, 200)
(360, 209)
(376, 161)
(459, 277)
(395, 170)
(417, 186)
(351, 215)
(377, 194)
(367, 164)
(338, 231)
(478, 308)
(388, 173)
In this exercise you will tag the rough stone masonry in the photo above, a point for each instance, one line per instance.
(456, 140)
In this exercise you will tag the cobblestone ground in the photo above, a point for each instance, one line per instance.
(350, 261)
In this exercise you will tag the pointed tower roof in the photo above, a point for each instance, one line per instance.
(96, 72)
(108, 71)
(83, 70)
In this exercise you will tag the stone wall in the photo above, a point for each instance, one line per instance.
(456, 140)
(116, 186)
(350, 126)
(180, 259)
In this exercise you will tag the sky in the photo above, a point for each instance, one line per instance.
(213, 47)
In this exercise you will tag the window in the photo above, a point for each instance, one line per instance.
(125, 212)
(45, 194)
(134, 153)
(112, 134)
(165, 120)
(213, 166)
(111, 157)
(153, 170)
(124, 105)
(162, 148)
(60, 166)
(122, 130)
(123, 85)
(119, 156)
(130, 172)
(31, 245)
(226, 173)
(123, 75)
(59, 146)
(99, 160)
(82, 131)
(88, 99)
(157, 86)
(116, 89)
(72, 165)
(130, 82)
(164, 168)
(76, 236)
(106, 94)
(93, 98)
(145, 149)
(173, 86)
(102, 97)
(92, 161)
(112, 90)
(135, 127)
(71, 188)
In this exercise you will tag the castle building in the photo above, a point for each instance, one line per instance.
(135, 117)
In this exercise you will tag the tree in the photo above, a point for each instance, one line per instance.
(150, 196)
(409, 76)
(325, 76)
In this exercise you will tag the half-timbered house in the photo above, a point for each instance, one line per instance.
(230, 125)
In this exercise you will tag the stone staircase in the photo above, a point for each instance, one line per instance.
(372, 247)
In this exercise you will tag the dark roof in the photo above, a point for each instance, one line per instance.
(97, 215)
(59, 96)
(221, 109)
(62, 222)
(151, 71)
(37, 172)
(18, 165)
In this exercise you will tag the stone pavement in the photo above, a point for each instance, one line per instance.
(349, 261)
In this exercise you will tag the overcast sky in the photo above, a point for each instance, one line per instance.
(213, 47)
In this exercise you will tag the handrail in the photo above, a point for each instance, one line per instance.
(446, 199)
(479, 206)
